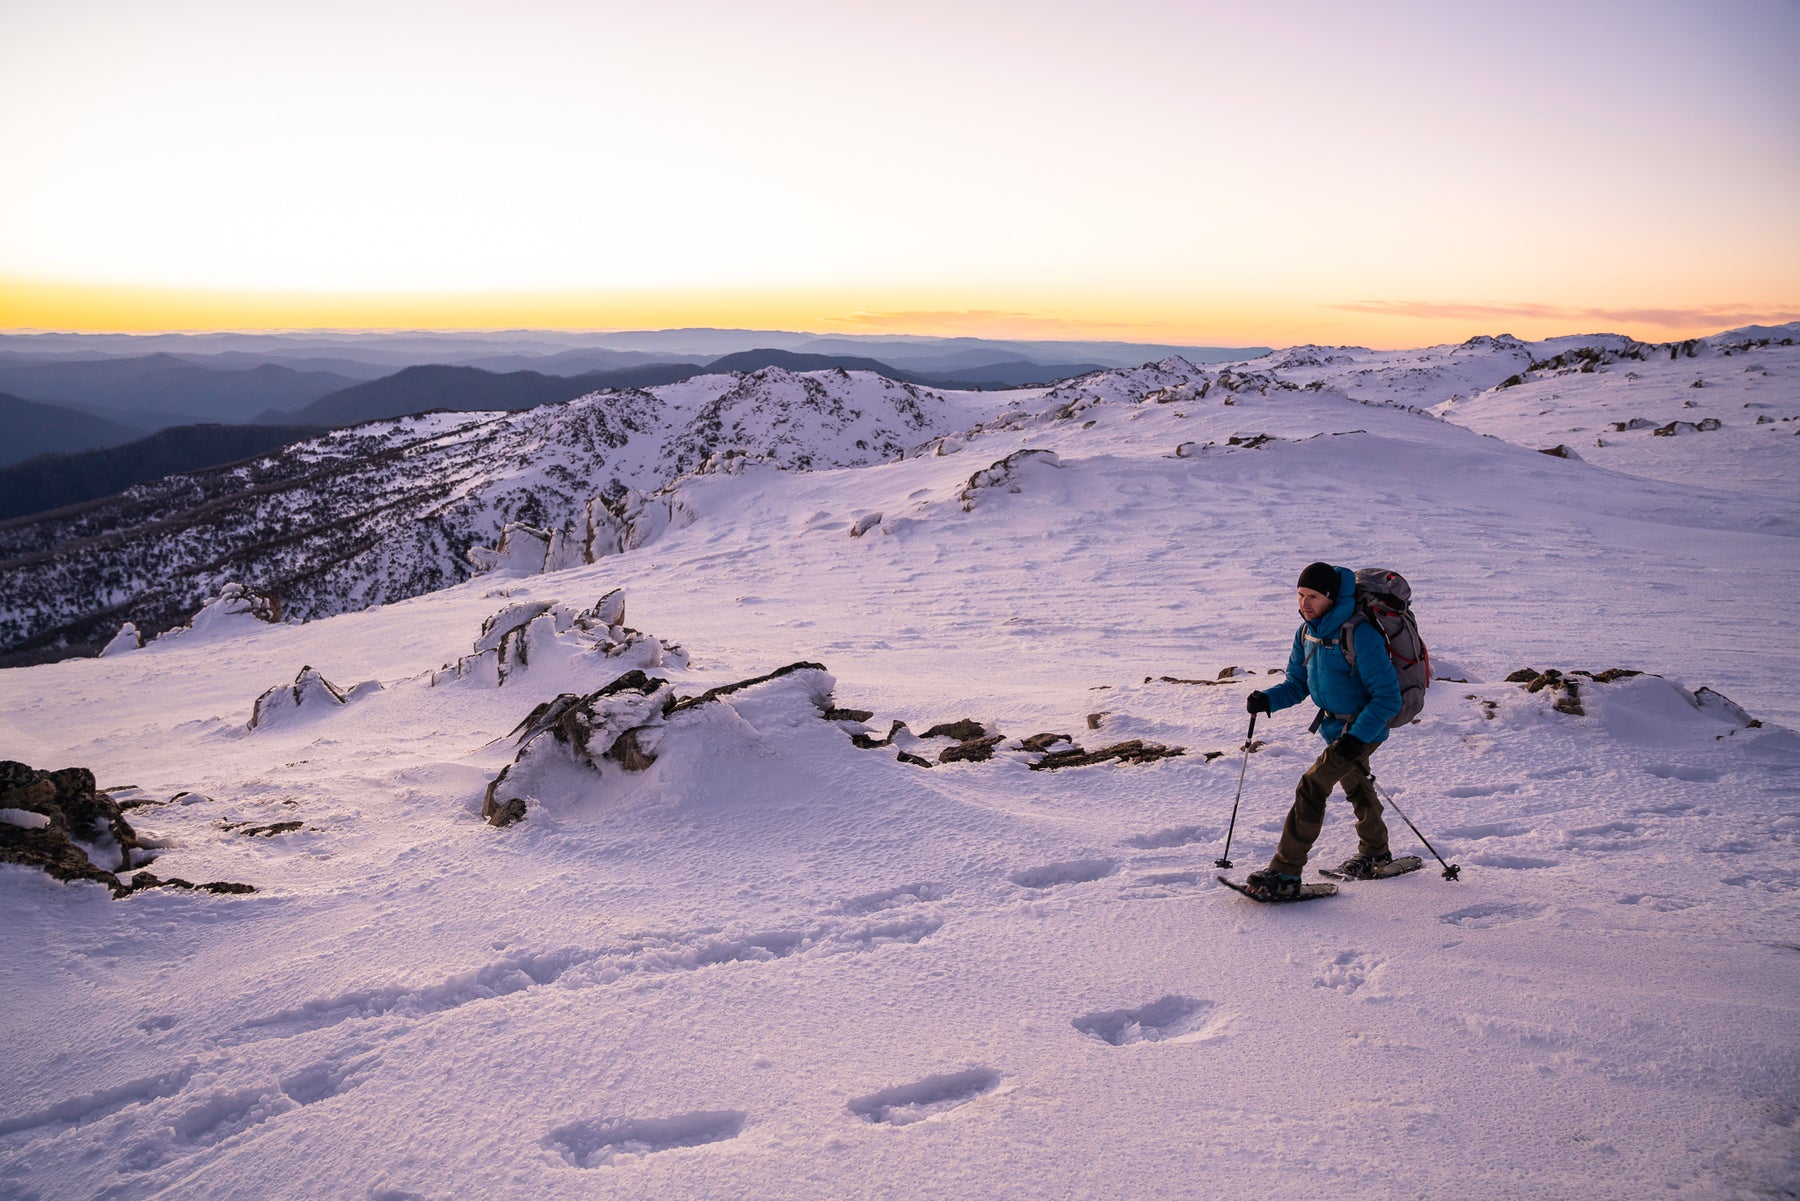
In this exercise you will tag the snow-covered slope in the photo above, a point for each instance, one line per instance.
(777, 961)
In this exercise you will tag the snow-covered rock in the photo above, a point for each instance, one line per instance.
(127, 639)
(310, 694)
(235, 610)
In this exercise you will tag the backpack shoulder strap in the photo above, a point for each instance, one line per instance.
(1347, 635)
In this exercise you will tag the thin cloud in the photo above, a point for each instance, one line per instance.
(985, 319)
(1720, 316)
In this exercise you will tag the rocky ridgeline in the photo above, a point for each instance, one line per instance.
(59, 821)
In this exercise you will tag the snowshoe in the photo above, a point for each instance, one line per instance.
(1274, 888)
(1374, 868)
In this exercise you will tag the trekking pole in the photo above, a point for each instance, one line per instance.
(1224, 860)
(1451, 870)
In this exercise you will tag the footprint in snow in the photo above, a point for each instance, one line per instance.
(1484, 830)
(894, 930)
(1510, 862)
(1172, 1019)
(1480, 790)
(1349, 972)
(1684, 773)
(327, 1079)
(1607, 836)
(1175, 836)
(1659, 903)
(1152, 885)
(925, 1099)
(600, 1143)
(1070, 871)
(212, 1121)
(893, 898)
(1495, 913)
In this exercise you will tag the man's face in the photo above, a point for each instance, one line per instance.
(1313, 605)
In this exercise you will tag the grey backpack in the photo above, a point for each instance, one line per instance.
(1384, 600)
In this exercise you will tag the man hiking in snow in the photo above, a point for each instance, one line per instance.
(1355, 703)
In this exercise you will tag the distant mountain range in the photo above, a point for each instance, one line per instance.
(64, 394)
(35, 429)
(151, 381)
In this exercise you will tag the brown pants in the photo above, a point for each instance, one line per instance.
(1307, 816)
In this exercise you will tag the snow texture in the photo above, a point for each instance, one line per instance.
(777, 960)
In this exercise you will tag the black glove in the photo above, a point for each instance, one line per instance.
(1257, 702)
(1348, 746)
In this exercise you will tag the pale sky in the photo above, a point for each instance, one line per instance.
(1387, 173)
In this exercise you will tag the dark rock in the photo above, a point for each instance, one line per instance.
(713, 694)
(268, 831)
(70, 808)
(974, 750)
(624, 723)
(1134, 751)
(506, 813)
(145, 880)
(962, 731)
(869, 742)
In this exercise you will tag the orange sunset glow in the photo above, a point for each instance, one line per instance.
(1388, 174)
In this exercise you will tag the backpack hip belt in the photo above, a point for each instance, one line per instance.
(1325, 715)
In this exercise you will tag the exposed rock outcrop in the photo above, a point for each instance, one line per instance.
(60, 822)
(1572, 688)
(545, 630)
(310, 692)
(630, 723)
(1012, 474)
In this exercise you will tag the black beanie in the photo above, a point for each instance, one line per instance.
(1322, 578)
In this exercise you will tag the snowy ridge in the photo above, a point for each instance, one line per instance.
(773, 945)
(391, 509)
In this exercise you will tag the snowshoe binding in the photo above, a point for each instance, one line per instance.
(1272, 887)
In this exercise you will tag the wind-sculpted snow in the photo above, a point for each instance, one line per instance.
(391, 509)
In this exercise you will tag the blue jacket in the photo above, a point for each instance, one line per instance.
(1317, 669)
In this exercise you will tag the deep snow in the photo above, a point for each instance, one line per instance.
(777, 965)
